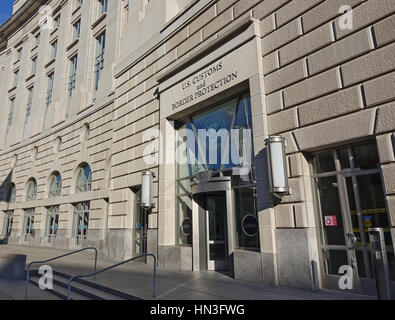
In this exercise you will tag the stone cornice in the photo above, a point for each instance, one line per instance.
(18, 19)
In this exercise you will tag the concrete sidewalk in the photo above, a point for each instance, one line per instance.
(136, 279)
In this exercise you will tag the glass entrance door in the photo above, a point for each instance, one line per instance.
(52, 223)
(217, 241)
(351, 200)
(81, 222)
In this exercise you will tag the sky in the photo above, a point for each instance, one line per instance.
(5, 10)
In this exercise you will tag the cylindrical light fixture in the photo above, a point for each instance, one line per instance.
(278, 176)
(147, 180)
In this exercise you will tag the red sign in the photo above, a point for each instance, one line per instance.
(330, 221)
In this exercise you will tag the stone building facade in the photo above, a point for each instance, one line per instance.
(112, 89)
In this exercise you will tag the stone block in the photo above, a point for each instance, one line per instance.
(294, 9)
(325, 12)
(286, 76)
(380, 90)
(331, 106)
(281, 36)
(385, 148)
(389, 178)
(341, 51)
(354, 126)
(248, 265)
(283, 121)
(385, 31)
(312, 87)
(385, 118)
(306, 44)
(284, 216)
(12, 266)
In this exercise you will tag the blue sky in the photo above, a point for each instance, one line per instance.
(5, 10)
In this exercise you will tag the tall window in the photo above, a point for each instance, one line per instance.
(31, 190)
(76, 30)
(37, 39)
(52, 224)
(19, 54)
(54, 49)
(28, 108)
(84, 179)
(48, 99)
(10, 117)
(34, 65)
(55, 187)
(81, 222)
(28, 230)
(101, 45)
(50, 89)
(73, 74)
(103, 6)
(57, 21)
(9, 219)
(16, 77)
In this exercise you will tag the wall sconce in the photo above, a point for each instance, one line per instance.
(277, 165)
(147, 181)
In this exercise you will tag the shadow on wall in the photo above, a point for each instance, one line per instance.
(3, 187)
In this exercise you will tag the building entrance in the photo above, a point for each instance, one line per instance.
(351, 200)
(217, 242)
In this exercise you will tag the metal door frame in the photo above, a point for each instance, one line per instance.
(52, 212)
(360, 285)
(213, 265)
(78, 213)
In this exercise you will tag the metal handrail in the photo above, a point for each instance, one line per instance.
(49, 260)
(112, 267)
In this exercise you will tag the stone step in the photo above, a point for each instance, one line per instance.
(81, 289)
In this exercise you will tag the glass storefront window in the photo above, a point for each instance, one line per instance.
(247, 236)
(184, 220)
(323, 162)
(217, 139)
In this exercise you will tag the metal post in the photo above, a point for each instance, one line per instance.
(380, 263)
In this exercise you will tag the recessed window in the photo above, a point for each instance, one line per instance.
(73, 74)
(103, 6)
(16, 77)
(55, 186)
(34, 65)
(34, 153)
(85, 132)
(54, 49)
(76, 30)
(99, 66)
(57, 21)
(84, 179)
(19, 54)
(57, 144)
(28, 230)
(31, 190)
(37, 39)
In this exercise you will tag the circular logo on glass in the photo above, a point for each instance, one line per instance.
(186, 226)
(250, 225)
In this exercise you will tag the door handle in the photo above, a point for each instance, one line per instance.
(354, 241)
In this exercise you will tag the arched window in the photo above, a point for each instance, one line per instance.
(84, 179)
(11, 193)
(31, 190)
(55, 186)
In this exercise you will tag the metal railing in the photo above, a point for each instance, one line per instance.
(112, 267)
(49, 260)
